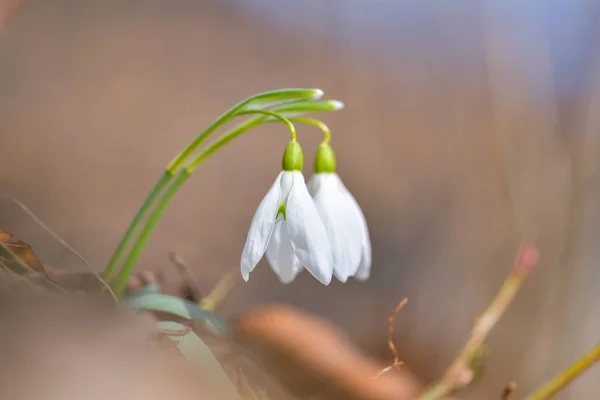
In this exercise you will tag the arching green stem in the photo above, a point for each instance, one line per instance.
(136, 250)
(260, 100)
(229, 136)
(140, 243)
(319, 124)
(266, 99)
(275, 115)
(131, 230)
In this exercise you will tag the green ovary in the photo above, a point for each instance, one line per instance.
(280, 211)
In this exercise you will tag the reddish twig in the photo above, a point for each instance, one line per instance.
(390, 341)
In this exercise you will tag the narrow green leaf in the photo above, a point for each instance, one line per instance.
(178, 307)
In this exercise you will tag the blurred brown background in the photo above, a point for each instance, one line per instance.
(468, 125)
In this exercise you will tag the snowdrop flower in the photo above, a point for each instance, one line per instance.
(344, 220)
(288, 228)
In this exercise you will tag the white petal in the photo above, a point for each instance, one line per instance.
(364, 268)
(336, 207)
(287, 181)
(315, 182)
(261, 229)
(307, 232)
(280, 254)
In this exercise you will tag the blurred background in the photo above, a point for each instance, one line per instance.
(468, 125)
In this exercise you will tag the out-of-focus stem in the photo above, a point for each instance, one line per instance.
(460, 373)
(218, 294)
(565, 377)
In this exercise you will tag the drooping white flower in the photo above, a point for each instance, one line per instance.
(343, 218)
(288, 228)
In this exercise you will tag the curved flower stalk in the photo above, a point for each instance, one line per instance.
(270, 106)
(266, 99)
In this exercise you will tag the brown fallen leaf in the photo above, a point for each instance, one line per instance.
(25, 252)
(17, 255)
(313, 358)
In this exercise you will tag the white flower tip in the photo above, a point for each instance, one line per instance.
(342, 278)
(324, 278)
(362, 276)
(336, 104)
(317, 94)
(285, 280)
(245, 276)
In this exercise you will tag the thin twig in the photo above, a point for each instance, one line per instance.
(61, 241)
(390, 340)
(460, 373)
(566, 376)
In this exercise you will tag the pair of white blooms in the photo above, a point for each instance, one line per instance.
(319, 227)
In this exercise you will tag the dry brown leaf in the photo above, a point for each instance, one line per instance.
(25, 252)
(313, 358)
(21, 250)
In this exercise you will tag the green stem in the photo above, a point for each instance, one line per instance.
(131, 230)
(292, 108)
(136, 251)
(140, 243)
(319, 124)
(267, 98)
(273, 114)
(565, 377)
(224, 139)
(146, 206)
(216, 145)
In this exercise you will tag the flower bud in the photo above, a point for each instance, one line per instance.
(324, 159)
(293, 158)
